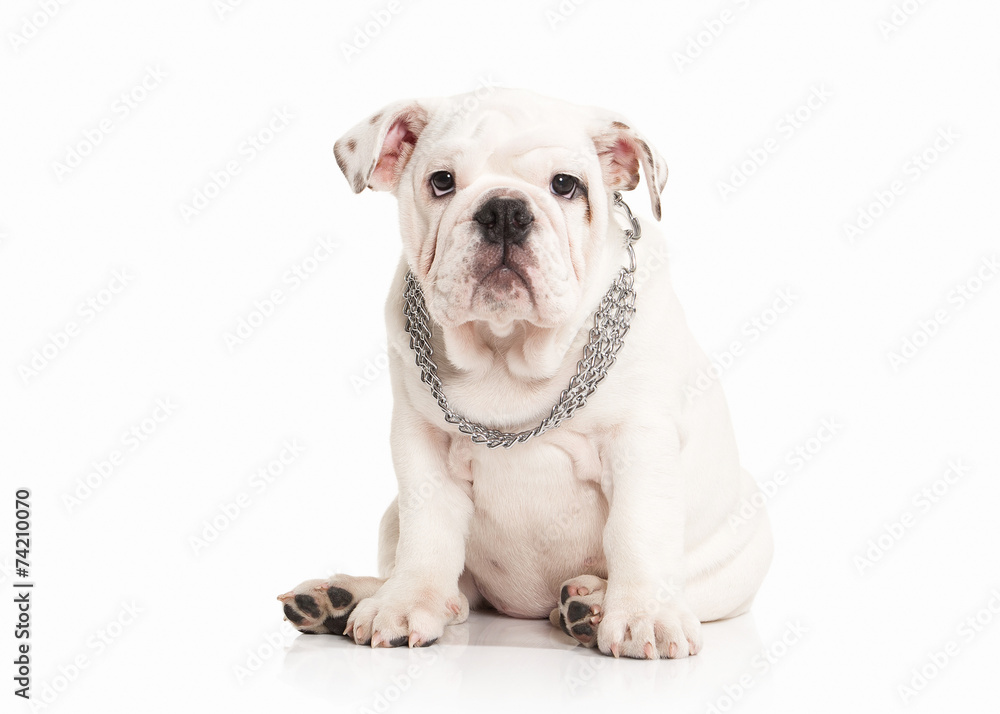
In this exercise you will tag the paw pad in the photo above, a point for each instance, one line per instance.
(322, 606)
(580, 608)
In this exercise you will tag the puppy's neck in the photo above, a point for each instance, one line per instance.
(527, 351)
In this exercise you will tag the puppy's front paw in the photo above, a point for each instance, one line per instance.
(401, 614)
(317, 607)
(631, 629)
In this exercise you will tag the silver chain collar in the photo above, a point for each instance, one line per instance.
(611, 322)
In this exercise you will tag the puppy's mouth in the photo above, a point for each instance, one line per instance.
(502, 279)
(503, 268)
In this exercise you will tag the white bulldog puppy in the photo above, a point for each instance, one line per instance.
(618, 523)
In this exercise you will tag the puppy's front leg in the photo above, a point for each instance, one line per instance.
(421, 595)
(645, 613)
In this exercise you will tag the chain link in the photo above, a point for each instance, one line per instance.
(611, 321)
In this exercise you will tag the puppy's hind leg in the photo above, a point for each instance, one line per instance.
(580, 608)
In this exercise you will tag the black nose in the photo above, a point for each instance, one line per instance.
(504, 220)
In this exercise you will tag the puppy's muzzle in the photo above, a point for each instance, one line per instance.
(504, 221)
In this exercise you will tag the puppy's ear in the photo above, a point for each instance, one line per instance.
(621, 150)
(374, 152)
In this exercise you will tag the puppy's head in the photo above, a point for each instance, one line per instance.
(504, 199)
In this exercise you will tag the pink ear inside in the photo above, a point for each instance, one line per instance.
(621, 162)
(396, 148)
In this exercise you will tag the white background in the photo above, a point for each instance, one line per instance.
(311, 373)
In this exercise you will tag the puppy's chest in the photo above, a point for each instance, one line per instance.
(538, 518)
(534, 480)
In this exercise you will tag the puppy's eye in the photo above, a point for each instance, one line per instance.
(442, 182)
(563, 185)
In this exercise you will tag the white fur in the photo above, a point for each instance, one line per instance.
(637, 487)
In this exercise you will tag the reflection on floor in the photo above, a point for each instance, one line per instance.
(468, 663)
